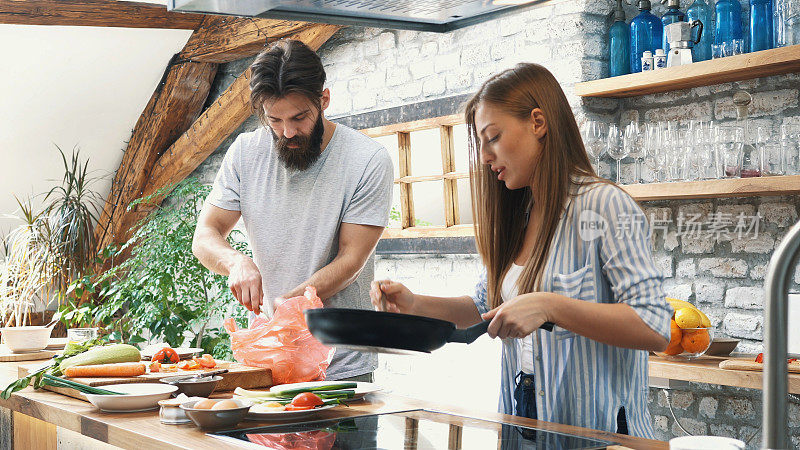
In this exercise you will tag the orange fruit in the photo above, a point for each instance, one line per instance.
(676, 335)
(695, 341)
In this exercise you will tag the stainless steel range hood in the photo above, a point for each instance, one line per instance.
(422, 15)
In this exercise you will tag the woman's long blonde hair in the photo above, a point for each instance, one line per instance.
(499, 213)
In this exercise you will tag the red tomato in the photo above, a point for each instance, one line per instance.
(309, 399)
(291, 407)
(155, 366)
(207, 361)
(760, 358)
(184, 365)
(166, 355)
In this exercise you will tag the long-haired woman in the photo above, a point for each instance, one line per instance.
(559, 245)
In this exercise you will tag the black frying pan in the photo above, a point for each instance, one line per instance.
(388, 332)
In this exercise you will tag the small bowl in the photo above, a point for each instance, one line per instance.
(194, 387)
(216, 418)
(697, 352)
(171, 412)
(26, 339)
(705, 443)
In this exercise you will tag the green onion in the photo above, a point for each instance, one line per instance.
(330, 387)
(61, 382)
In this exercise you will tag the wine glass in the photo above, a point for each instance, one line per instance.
(654, 149)
(633, 141)
(615, 148)
(593, 133)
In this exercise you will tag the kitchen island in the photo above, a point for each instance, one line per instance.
(37, 414)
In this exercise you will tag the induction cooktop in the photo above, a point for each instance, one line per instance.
(416, 429)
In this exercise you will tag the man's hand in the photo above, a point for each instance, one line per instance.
(245, 284)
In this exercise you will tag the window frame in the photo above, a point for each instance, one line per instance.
(453, 226)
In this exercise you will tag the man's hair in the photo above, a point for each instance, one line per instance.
(288, 66)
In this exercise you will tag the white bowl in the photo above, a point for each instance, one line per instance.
(705, 443)
(26, 339)
(138, 397)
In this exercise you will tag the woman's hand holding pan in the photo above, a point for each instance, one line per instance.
(520, 316)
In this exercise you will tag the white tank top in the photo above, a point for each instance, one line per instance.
(508, 290)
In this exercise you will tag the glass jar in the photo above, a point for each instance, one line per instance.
(771, 151)
(78, 335)
(790, 148)
(730, 142)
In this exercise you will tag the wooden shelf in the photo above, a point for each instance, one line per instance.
(722, 70)
(729, 187)
(706, 370)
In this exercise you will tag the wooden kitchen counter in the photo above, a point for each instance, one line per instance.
(706, 370)
(143, 430)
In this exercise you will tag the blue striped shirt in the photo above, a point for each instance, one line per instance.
(580, 381)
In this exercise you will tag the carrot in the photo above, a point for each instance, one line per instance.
(129, 369)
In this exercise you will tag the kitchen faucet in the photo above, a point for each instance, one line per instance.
(776, 286)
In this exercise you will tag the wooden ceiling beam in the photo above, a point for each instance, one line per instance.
(218, 122)
(95, 13)
(172, 108)
(223, 39)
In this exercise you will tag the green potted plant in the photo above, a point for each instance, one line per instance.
(48, 250)
(25, 278)
(161, 292)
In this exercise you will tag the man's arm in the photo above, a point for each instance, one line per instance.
(356, 243)
(213, 251)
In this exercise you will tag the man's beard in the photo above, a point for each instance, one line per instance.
(307, 151)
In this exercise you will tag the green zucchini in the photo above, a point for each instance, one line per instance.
(115, 353)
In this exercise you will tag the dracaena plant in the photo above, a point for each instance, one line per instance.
(72, 216)
(161, 292)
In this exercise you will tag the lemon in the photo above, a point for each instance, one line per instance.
(688, 318)
(678, 304)
(704, 322)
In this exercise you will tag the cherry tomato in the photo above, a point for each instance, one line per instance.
(207, 361)
(166, 355)
(291, 407)
(309, 399)
(155, 366)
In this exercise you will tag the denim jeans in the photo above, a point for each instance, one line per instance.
(525, 398)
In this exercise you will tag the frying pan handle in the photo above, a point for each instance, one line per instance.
(468, 335)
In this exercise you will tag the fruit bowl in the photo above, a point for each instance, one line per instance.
(693, 343)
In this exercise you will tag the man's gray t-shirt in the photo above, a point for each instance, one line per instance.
(292, 217)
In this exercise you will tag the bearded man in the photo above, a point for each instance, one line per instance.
(314, 198)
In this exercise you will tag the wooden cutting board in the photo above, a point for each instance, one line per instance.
(747, 364)
(238, 375)
(7, 355)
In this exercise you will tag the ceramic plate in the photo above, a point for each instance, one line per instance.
(362, 388)
(285, 415)
(136, 397)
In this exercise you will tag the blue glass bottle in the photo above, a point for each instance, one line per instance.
(672, 15)
(702, 12)
(646, 35)
(760, 25)
(729, 21)
(619, 44)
